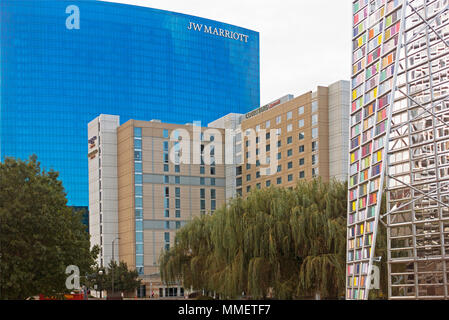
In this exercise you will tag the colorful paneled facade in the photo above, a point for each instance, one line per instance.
(399, 133)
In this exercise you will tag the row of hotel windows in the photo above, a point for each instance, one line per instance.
(290, 166)
(301, 136)
(290, 127)
(301, 149)
(290, 178)
(301, 161)
(290, 116)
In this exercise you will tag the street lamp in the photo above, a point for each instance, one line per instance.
(112, 269)
(100, 273)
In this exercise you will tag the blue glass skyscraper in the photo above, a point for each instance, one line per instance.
(63, 63)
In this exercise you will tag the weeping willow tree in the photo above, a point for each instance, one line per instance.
(280, 243)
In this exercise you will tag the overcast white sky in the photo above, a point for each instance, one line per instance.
(303, 43)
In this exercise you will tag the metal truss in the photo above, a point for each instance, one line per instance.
(400, 66)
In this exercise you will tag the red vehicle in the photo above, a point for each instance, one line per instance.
(71, 296)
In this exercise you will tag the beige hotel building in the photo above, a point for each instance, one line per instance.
(144, 184)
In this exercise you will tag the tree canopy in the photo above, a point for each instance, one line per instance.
(280, 243)
(39, 234)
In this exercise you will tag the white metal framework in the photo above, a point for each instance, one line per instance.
(400, 139)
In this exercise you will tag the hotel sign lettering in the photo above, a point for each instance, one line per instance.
(262, 109)
(218, 32)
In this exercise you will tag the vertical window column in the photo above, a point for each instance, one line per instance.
(138, 199)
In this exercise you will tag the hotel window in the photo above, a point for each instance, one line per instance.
(314, 146)
(314, 172)
(314, 119)
(258, 128)
(248, 177)
(138, 155)
(248, 188)
(178, 224)
(167, 224)
(213, 205)
(268, 183)
(247, 143)
(166, 168)
(289, 128)
(202, 193)
(301, 136)
(248, 166)
(290, 177)
(167, 191)
(165, 133)
(258, 174)
(301, 123)
(167, 213)
(289, 152)
(258, 186)
(178, 203)
(301, 110)
(267, 148)
(267, 124)
(202, 170)
(279, 168)
(137, 143)
(165, 145)
(178, 213)
(314, 159)
(138, 179)
(279, 180)
(212, 170)
(278, 131)
(301, 161)
(212, 181)
(203, 204)
(314, 133)
(177, 168)
(177, 180)
(278, 119)
(279, 155)
(267, 136)
(202, 181)
(289, 140)
(302, 175)
(290, 165)
(289, 115)
(314, 106)
(301, 149)
(213, 194)
(138, 132)
(279, 143)
(177, 192)
(138, 167)
(166, 179)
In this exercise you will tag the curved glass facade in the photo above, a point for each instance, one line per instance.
(65, 62)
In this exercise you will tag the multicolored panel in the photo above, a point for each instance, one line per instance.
(376, 26)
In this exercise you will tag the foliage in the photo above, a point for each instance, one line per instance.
(125, 280)
(280, 243)
(39, 234)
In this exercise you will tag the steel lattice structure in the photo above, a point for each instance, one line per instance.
(400, 143)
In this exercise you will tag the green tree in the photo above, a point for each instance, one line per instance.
(39, 234)
(279, 243)
(125, 280)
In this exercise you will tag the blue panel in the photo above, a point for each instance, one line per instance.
(130, 61)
